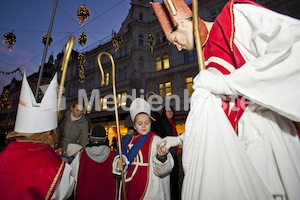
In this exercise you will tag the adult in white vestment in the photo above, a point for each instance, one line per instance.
(263, 160)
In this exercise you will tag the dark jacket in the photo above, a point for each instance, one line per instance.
(70, 131)
(156, 125)
(167, 126)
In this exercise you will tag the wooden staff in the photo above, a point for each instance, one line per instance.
(197, 35)
(64, 67)
(116, 109)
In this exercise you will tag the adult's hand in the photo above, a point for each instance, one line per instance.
(169, 141)
(216, 84)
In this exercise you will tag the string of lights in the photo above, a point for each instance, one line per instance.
(16, 70)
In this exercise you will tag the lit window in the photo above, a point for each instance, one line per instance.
(121, 99)
(100, 104)
(158, 63)
(168, 88)
(104, 104)
(166, 61)
(124, 99)
(189, 85)
(164, 88)
(107, 78)
(161, 90)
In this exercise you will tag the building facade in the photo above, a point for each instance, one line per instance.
(138, 70)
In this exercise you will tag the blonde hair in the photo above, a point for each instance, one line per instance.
(42, 137)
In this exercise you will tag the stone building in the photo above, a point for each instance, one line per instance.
(165, 71)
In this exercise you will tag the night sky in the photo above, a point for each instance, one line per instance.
(29, 20)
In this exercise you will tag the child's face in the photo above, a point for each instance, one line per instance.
(142, 124)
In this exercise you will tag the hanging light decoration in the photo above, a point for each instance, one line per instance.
(82, 39)
(44, 40)
(83, 14)
(117, 41)
(4, 102)
(16, 70)
(9, 105)
(151, 42)
(10, 39)
(81, 67)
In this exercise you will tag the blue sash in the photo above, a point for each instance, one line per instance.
(131, 154)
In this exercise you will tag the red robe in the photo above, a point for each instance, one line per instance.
(29, 171)
(220, 45)
(137, 176)
(95, 180)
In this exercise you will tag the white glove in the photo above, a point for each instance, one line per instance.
(214, 83)
(170, 141)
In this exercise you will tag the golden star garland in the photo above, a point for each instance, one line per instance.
(44, 40)
(151, 42)
(83, 14)
(82, 39)
(81, 67)
(10, 39)
(117, 41)
(4, 103)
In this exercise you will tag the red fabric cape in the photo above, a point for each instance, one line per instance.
(29, 171)
(95, 180)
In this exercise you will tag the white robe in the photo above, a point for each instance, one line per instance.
(263, 161)
(65, 186)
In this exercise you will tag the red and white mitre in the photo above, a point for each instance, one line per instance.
(169, 20)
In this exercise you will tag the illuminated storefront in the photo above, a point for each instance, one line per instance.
(108, 122)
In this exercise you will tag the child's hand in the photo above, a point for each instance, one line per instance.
(162, 151)
(120, 165)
